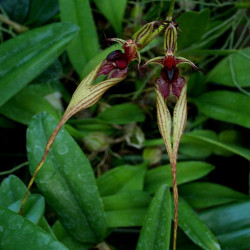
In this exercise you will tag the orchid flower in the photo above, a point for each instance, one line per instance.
(170, 84)
(115, 66)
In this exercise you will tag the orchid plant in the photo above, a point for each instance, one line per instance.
(168, 86)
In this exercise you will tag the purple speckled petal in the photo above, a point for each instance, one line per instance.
(163, 87)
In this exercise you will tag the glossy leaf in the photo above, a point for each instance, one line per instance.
(125, 113)
(121, 179)
(204, 140)
(231, 224)
(232, 70)
(226, 106)
(23, 106)
(85, 45)
(18, 231)
(12, 191)
(126, 200)
(156, 229)
(208, 139)
(63, 236)
(41, 11)
(186, 171)
(126, 217)
(193, 25)
(67, 181)
(195, 228)
(17, 10)
(26, 56)
(113, 10)
(205, 194)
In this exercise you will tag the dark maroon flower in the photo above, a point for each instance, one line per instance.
(116, 63)
(170, 82)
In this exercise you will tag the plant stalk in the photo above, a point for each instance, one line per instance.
(170, 11)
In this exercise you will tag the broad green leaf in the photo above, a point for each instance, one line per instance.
(98, 58)
(186, 171)
(33, 209)
(63, 236)
(16, 10)
(26, 56)
(203, 140)
(41, 11)
(193, 25)
(231, 224)
(23, 106)
(51, 74)
(232, 70)
(6, 123)
(205, 194)
(122, 179)
(122, 114)
(156, 229)
(66, 180)
(195, 228)
(113, 10)
(126, 200)
(225, 106)
(16, 231)
(85, 46)
(208, 140)
(126, 217)
(12, 191)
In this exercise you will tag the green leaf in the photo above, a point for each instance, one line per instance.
(232, 70)
(156, 230)
(33, 209)
(208, 140)
(18, 231)
(195, 228)
(66, 180)
(85, 45)
(225, 106)
(126, 217)
(202, 143)
(121, 179)
(23, 106)
(63, 236)
(41, 11)
(51, 74)
(12, 191)
(17, 10)
(204, 194)
(193, 25)
(125, 200)
(113, 10)
(125, 113)
(231, 224)
(26, 56)
(186, 171)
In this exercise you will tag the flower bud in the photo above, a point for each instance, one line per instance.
(170, 39)
(152, 154)
(96, 141)
(134, 136)
(147, 33)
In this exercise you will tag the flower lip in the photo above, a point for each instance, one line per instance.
(170, 75)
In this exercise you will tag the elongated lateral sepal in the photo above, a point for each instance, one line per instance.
(84, 96)
(181, 60)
